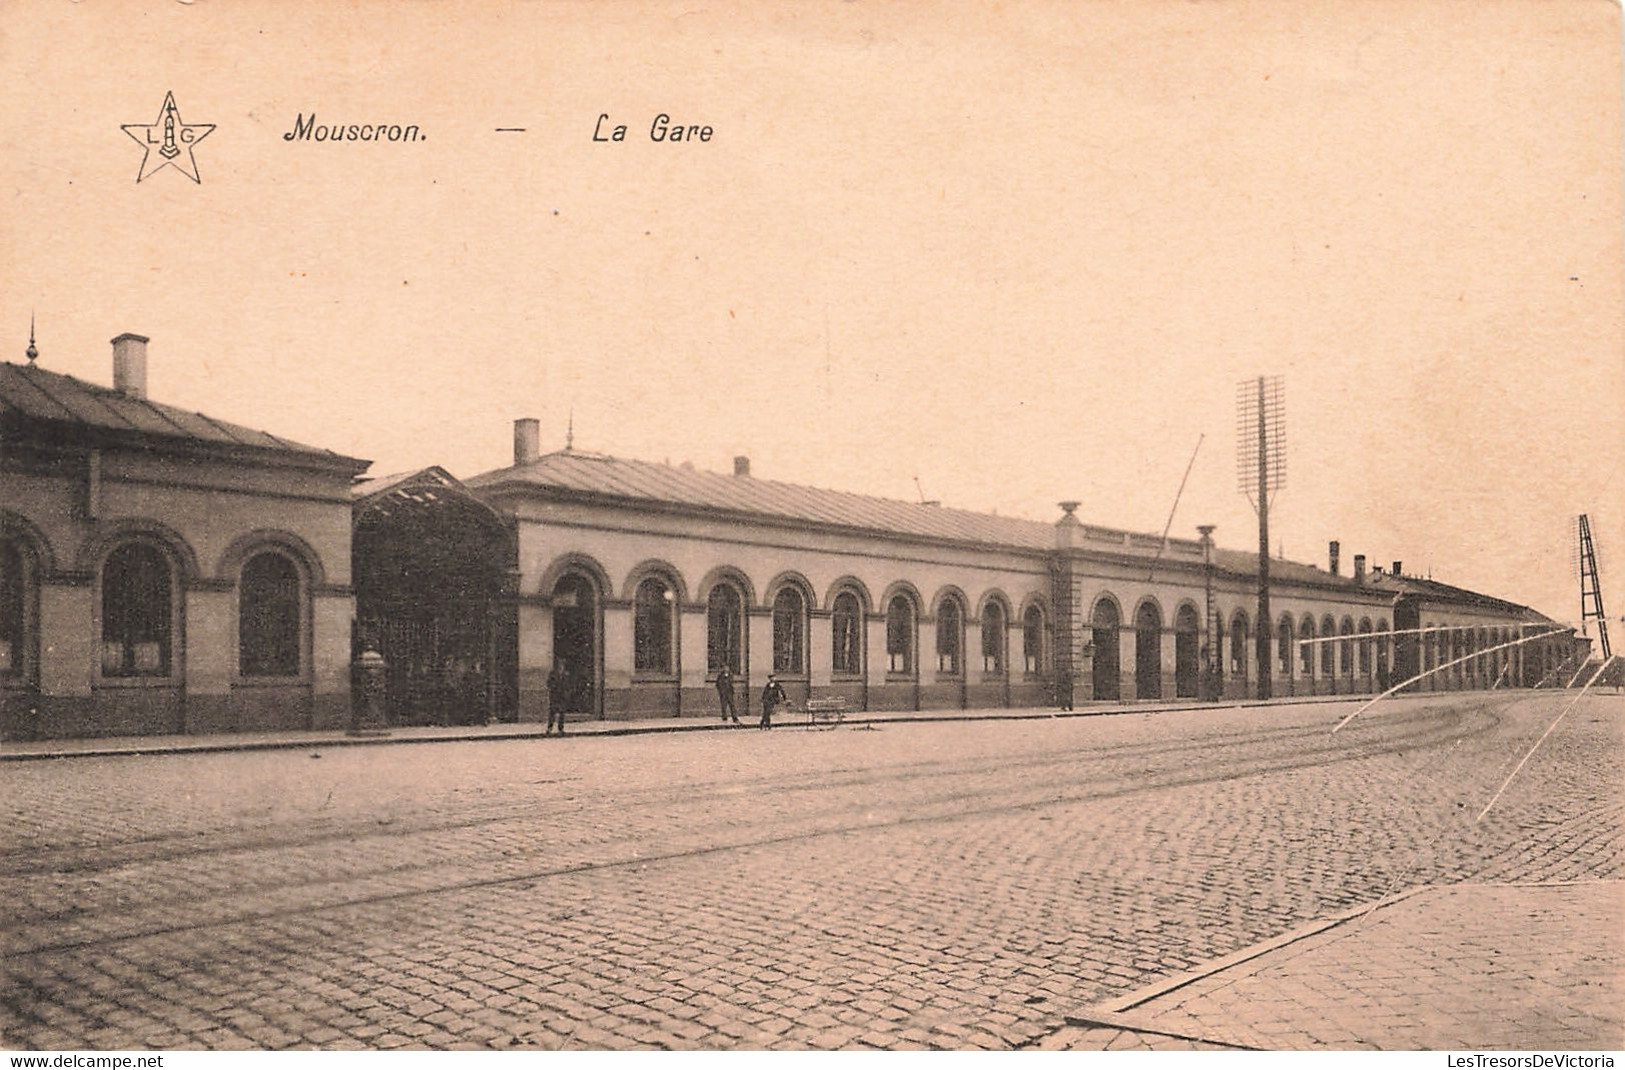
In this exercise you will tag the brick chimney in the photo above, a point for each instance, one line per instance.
(742, 465)
(1359, 568)
(1334, 552)
(1396, 567)
(527, 441)
(130, 365)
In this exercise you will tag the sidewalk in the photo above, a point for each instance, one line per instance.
(1464, 967)
(107, 746)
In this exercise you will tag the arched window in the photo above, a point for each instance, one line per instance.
(652, 626)
(1382, 651)
(1032, 640)
(1346, 649)
(847, 625)
(1328, 651)
(993, 630)
(15, 639)
(950, 637)
(724, 629)
(1283, 642)
(1365, 647)
(1307, 650)
(270, 616)
(789, 631)
(900, 635)
(137, 612)
(1238, 646)
(1147, 651)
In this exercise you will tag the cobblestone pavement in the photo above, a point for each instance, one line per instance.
(1511, 967)
(923, 885)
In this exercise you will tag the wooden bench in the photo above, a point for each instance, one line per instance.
(826, 711)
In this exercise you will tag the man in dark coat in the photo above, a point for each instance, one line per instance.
(773, 697)
(556, 681)
(725, 692)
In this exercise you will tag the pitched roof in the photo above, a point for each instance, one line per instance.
(1435, 591)
(579, 474)
(34, 395)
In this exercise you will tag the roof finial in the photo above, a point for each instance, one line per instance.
(570, 432)
(33, 350)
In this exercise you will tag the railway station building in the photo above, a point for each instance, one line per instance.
(165, 572)
(162, 571)
(628, 585)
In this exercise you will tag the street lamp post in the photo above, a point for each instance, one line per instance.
(1210, 691)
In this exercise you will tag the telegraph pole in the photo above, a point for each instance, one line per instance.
(1261, 468)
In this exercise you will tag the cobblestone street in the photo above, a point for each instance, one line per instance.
(951, 884)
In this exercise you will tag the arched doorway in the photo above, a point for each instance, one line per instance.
(1147, 652)
(575, 646)
(1108, 659)
(435, 573)
(1187, 666)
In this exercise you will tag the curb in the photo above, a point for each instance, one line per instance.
(1113, 1014)
(225, 745)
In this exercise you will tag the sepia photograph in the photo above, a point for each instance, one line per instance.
(614, 527)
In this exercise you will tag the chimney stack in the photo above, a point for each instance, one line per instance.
(1396, 567)
(741, 465)
(1359, 568)
(527, 441)
(130, 365)
(1333, 552)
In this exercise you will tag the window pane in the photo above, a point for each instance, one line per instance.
(652, 617)
(1032, 639)
(949, 627)
(723, 618)
(789, 631)
(900, 635)
(848, 635)
(12, 604)
(136, 612)
(993, 639)
(268, 619)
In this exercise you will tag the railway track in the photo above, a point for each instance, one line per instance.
(622, 827)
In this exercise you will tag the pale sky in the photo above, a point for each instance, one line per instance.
(1023, 253)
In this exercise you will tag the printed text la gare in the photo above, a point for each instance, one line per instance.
(662, 128)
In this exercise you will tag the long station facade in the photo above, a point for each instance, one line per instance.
(161, 571)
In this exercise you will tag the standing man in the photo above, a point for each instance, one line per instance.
(773, 697)
(556, 683)
(725, 692)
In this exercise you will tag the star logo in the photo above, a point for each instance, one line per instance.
(168, 142)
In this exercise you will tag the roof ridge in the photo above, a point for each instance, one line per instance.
(694, 469)
(60, 397)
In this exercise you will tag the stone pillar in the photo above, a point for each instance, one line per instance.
(699, 697)
(821, 649)
(760, 650)
(331, 615)
(210, 640)
(69, 649)
(875, 660)
(535, 660)
(618, 658)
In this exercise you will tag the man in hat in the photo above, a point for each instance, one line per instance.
(556, 685)
(725, 693)
(773, 697)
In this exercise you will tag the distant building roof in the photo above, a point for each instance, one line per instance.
(1435, 591)
(592, 476)
(32, 395)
